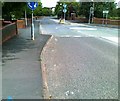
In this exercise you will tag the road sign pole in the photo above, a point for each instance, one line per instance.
(32, 28)
(32, 6)
(64, 17)
(106, 18)
(64, 10)
(89, 17)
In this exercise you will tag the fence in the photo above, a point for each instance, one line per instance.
(104, 21)
(8, 31)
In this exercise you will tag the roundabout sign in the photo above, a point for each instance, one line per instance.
(32, 5)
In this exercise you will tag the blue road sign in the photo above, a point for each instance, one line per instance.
(9, 98)
(64, 10)
(64, 5)
(32, 5)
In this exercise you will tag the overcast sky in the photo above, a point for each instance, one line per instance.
(52, 3)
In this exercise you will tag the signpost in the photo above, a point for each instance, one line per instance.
(105, 12)
(32, 6)
(91, 13)
(64, 10)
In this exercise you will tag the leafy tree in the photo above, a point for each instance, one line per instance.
(12, 8)
(72, 7)
(38, 10)
(46, 11)
(18, 9)
(98, 8)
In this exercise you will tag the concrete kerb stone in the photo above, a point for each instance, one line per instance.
(46, 94)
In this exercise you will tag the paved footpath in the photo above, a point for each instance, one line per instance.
(21, 68)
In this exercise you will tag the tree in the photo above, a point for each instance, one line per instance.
(18, 9)
(38, 10)
(98, 8)
(12, 8)
(72, 7)
(46, 11)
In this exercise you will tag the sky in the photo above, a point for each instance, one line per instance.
(49, 3)
(52, 3)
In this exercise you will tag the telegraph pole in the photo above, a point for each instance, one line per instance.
(25, 18)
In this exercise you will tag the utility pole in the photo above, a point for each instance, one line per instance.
(25, 18)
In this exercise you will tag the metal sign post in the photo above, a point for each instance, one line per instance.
(105, 13)
(32, 6)
(25, 18)
(32, 28)
(64, 10)
(91, 13)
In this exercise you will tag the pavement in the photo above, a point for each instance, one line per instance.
(21, 67)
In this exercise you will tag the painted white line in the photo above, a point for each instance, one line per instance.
(79, 28)
(67, 36)
(77, 36)
(114, 39)
(55, 20)
(56, 39)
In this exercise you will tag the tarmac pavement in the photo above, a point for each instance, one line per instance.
(21, 67)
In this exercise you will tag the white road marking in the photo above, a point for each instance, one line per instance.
(79, 28)
(56, 39)
(67, 36)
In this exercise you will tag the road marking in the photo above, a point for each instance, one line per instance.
(55, 20)
(114, 39)
(67, 36)
(56, 39)
(79, 28)
(77, 36)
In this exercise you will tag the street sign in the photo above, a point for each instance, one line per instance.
(64, 10)
(64, 5)
(91, 10)
(32, 5)
(105, 12)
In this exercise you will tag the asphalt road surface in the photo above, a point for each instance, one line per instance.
(78, 65)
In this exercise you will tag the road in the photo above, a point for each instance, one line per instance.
(78, 30)
(80, 62)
